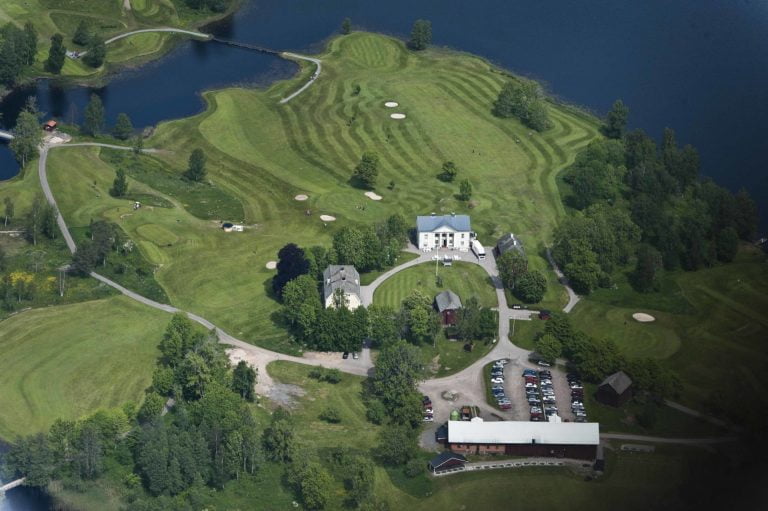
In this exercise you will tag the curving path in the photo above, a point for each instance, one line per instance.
(193, 33)
(6, 135)
(573, 298)
(315, 75)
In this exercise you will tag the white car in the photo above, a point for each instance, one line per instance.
(427, 418)
(497, 380)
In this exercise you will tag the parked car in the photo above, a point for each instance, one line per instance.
(497, 386)
(531, 372)
(428, 418)
(545, 372)
(545, 314)
(345, 355)
(505, 406)
(544, 363)
(428, 411)
(503, 361)
(497, 373)
(581, 418)
(355, 355)
(517, 306)
(537, 418)
(498, 379)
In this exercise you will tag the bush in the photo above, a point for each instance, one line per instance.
(332, 376)
(414, 467)
(376, 412)
(316, 373)
(331, 415)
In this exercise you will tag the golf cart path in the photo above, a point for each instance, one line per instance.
(160, 29)
(573, 298)
(315, 75)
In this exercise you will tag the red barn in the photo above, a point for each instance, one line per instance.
(448, 305)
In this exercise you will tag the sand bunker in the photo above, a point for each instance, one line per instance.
(327, 218)
(301, 197)
(373, 196)
(390, 104)
(642, 317)
(271, 265)
(398, 116)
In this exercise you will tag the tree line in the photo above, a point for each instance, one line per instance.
(645, 203)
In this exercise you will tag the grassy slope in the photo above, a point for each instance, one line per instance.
(108, 19)
(70, 360)
(465, 279)
(266, 153)
(715, 321)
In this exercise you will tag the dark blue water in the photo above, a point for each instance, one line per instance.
(698, 66)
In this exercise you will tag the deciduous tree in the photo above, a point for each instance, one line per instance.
(27, 137)
(367, 171)
(97, 52)
(531, 287)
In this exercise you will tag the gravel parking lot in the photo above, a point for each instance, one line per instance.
(562, 395)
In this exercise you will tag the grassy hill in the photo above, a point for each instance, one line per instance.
(261, 154)
(68, 361)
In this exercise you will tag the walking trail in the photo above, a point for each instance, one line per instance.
(315, 75)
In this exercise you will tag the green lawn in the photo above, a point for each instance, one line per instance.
(447, 356)
(523, 333)
(68, 361)
(464, 279)
(716, 322)
(263, 154)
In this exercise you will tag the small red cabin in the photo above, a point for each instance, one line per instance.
(50, 125)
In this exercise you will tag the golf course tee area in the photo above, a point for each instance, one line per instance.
(265, 153)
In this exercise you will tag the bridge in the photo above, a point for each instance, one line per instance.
(246, 46)
(12, 485)
(6, 135)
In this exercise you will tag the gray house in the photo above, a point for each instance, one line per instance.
(342, 277)
(444, 231)
(509, 242)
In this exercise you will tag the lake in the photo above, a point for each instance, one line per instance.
(698, 66)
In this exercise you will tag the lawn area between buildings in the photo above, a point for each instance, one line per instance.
(68, 361)
(446, 356)
(465, 279)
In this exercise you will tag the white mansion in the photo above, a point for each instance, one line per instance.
(445, 231)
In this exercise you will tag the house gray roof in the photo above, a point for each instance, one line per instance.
(444, 457)
(447, 300)
(619, 382)
(431, 223)
(341, 277)
(509, 242)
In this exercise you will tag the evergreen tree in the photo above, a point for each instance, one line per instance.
(465, 190)
(120, 185)
(93, 123)
(346, 26)
(97, 52)
(196, 167)
(616, 120)
(82, 35)
(56, 54)
(123, 127)
(30, 37)
(421, 35)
